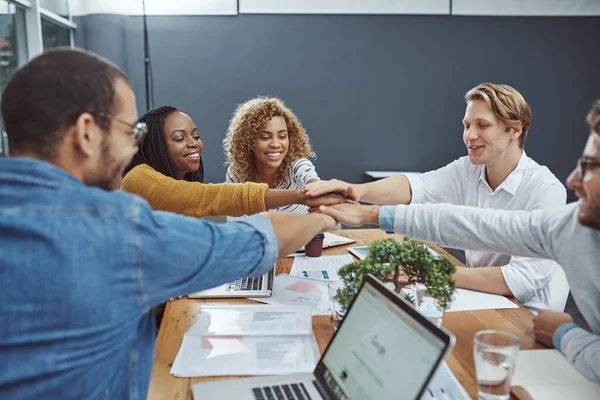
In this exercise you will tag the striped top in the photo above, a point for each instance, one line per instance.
(298, 175)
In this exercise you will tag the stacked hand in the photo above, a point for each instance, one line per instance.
(352, 214)
(331, 199)
(319, 188)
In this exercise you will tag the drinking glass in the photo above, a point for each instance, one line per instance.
(495, 354)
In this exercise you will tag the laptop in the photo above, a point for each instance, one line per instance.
(260, 286)
(383, 349)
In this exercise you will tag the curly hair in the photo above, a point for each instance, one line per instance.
(245, 126)
(153, 149)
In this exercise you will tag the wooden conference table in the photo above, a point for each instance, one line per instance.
(179, 314)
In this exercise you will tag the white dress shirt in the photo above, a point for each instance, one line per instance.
(529, 186)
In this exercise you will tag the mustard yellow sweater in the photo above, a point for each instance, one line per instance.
(194, 199)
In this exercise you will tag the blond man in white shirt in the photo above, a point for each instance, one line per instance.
(496, 174)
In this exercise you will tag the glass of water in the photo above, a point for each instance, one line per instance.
(495, 354)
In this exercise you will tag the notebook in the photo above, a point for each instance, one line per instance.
(548, 375)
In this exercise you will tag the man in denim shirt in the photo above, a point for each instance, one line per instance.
(81, 266)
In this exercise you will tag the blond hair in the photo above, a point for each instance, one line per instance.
(508, 105)
(247, 122)
(593, 117)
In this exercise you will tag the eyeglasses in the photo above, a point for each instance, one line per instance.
(583, 166)
(138, 130)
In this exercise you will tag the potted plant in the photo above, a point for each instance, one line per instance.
(406, 263)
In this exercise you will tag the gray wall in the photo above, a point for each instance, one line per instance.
(374, 92)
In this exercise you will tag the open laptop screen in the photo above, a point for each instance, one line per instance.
(381, 351)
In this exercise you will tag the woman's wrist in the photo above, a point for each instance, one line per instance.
(300, 196)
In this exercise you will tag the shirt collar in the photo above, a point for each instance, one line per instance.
(513, 180)
(36, 172)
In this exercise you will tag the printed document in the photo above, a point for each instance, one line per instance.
(252, 319)
(324, 268)
(248, 339)
(293, 290)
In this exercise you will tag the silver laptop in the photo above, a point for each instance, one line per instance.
(384, 349)
(260, 286)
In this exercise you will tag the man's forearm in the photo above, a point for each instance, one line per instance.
(275, 198)
(392, 190)
(482, 279)
(520, 233)
(294, 231)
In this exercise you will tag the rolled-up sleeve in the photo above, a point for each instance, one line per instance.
(526, 276)
(175, 255)
(386, 218)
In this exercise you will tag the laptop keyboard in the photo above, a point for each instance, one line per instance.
(245, 284)
(294, 391)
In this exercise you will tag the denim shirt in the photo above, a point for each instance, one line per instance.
(81, 270)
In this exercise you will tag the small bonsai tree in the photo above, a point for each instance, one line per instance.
(389, 260)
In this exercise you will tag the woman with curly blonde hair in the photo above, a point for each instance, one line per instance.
(266, 143)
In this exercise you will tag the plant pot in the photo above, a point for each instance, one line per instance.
(337, 313)
(428, 306)
(416, 295)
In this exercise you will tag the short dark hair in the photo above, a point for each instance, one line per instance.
(49, 93)
(593, 117)
(153, 149)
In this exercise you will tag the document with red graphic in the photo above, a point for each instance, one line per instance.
(248, 340)
(293, 290)
(251, 319)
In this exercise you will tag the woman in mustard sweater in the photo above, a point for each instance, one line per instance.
(168, 172)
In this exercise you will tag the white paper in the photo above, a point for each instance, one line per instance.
(467, 300)
(330, 240)
(431, 251)
(252, 319)
(288, 289)
(444, 385)
(244, 355)
(324, 268)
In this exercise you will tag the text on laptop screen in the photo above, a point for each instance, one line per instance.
(380, 351)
